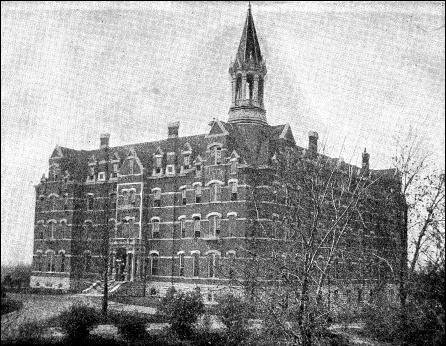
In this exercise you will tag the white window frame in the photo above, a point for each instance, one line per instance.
(101, 176)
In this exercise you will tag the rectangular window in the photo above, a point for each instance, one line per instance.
(182, 228)
(91, 173)
(115, 170)
(155, 229)
(217, 155)
(132, 197)
(234, 191)
(196, 265)
(170, 170)
(131, 163)
(215, 192)
(183, 196)
(234, 167)
(154, 264)
(90, 202)
(212, 265)
(186, 162)
(158, 164)
(198, 194)
(198, 170)
(181, 265)
(197, 230)
(101, 176)
(62, 262)
(157, 198)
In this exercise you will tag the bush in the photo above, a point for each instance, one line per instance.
(130, 326)
(78, 320)
(182, 311)
(9, 305)
(234, 313)
(31, 333)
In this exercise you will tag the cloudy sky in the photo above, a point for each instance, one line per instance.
(361, 74)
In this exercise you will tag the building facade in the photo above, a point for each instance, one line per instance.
(172, 212)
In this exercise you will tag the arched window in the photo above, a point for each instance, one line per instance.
(231, 264)
(154, 267)
(217, 155)
(157, 198)
(87, 261)
(181, 264)
(198, 193)
(214, 226)
(212, 264)
(39, 262)
(155, 228)
(197, 227)
(215, 192)
(62, 261)
(196, 263)
(232, 224)
(63, 229)
(132, 197)
(238, 88)
(234, 191)
(53, 202)
(51, 267)
(90, 202)
(183, 228)
(113, 201)
(184, 196)
(51, 230)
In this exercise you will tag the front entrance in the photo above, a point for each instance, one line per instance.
(120, 264)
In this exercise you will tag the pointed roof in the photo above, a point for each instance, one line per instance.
(249, 47)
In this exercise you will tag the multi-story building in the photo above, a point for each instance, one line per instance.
(168, 212)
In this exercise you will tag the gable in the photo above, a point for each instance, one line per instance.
(217, 129)
(131, 164)
(57, 153)
(287, 134)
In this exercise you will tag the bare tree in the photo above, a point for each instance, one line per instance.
(309, 233)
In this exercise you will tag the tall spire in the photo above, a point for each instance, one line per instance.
(248, 71)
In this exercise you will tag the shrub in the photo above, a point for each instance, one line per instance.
(30, 333)
(234, 312)
(130, 326)
(9, 305)
(78, 320)
(182, 310)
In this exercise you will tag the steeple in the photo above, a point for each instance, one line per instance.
(248, 72)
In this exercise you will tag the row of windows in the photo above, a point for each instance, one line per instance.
(214, 226)
(50, 262)
(212, 264)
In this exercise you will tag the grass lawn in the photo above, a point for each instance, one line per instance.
(151, 302)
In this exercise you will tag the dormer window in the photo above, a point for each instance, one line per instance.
(115, 170)
(131, 164)
(234, 167)
(186, 161)
(170, 170)
(198, 170)
(158, 164)
(101, 176)
(91, 173)
(234, 191)
(157, 198)
(217, 155)
(198, 193)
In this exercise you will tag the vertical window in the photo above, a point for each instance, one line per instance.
(214, 226)
(217, 155)
(91, 173)
(231, 271)
(158, 162)
(197, 229)
(181, 265)
(90, 202)
(155, 228)
(131, 164)
(115, 170)
(197, 193)
(154, 269)
(51, 229)
(186, 162)
(198, 170)
(62, 262)
(359, 295)
(53, 202)
(231, 225)
(132, 197)
(125, 195)
(183, 228)
(183, 196)
(215, 192)
(87, 262)
(212, 262)
(234, 191)
(63, 226)
(40, 232)
(196, 264)
(157, 198)
(234, 167)
(113, 201)
(348, 295)
(39, 262)
(65, 202)
(50, 262)
(336, 295)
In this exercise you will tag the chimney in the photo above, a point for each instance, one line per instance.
(312, 142)
(365, 162)
(104, 140)
(173, 129)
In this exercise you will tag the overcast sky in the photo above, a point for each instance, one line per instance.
(360, 74)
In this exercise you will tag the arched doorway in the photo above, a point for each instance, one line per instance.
(121, 261)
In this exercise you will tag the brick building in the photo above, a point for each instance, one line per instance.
(172, 212)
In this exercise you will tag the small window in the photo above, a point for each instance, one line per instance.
(91, 173)
(348, 295)
(181, 265)
(154, 269)
(217, 154)
(131, 166)
(336, 295)
(62, 262)
(231, 225)
(234, 167)
(53, 202)
(196, 264)
(51, 267)
(359, 295)
(113, 201)
(183, 228)
(87, 262)
(183, 197)
(115, 170)
(212, 265)
(51, 229)
(39, 262)
(197, 229)
(214, 226)
(215, 192)
(132, 197)
(231, 265)
(170, 170)
(157, 198)
(186, 161)
(234, 191)
(158, 164)
(198, 194)
(90, 202)
(198, 170)
(155, 228)
(101, 176)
